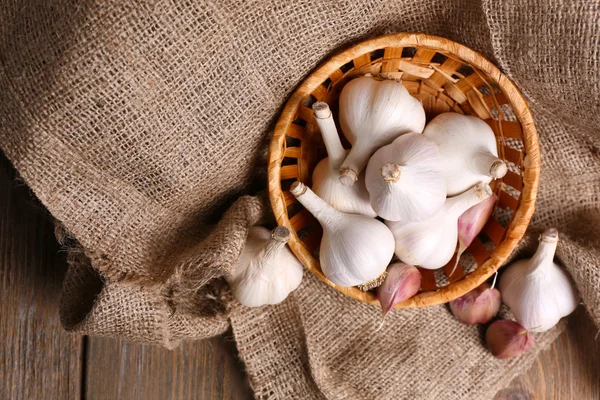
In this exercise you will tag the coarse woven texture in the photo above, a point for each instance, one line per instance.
(138, 123)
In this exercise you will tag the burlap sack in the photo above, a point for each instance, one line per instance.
(138, 123)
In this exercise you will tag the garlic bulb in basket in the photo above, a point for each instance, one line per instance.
(372, 114)
(267, 271)
(467, 149)
(430, 244)
(355, 249)
(537, 291)
(404, 179)
(326, 175)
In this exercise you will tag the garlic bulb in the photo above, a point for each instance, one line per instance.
(430, 244)
(267, 271)
(372, 114)
(404, 179)
(467, 149)
(355, 249)
(537, 291)
(326, 175)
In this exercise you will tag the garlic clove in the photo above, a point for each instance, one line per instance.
(355, 249)
(402, 282)
(373, 113)
(478, 306)
(471, 222)
(404, 179)
(507, 339)
(537, 291)
(267, 271)
(326, 175)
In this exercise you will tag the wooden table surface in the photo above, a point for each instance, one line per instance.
(38, 360)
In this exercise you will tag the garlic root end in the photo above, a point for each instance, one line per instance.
(373, 283)
(390, 172)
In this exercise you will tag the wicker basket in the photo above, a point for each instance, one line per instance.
(445, 76)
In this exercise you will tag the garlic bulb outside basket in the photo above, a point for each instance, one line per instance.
(372, 114)
(326, 175)
(404, 179)
(468, 151)
(267, 271)
(430, 244)
(355, 249)
(537, 291)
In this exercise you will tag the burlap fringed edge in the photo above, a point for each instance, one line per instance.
(193, 302)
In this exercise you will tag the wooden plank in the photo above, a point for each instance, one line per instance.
(568, 369)
(207, 369)
(38, 359)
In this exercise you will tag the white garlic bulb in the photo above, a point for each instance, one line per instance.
(326, 175)
(537, 291)
(355, 249)
(372, 114)
(404, 179)
(267, 271)
(467, 149)
(430, 244)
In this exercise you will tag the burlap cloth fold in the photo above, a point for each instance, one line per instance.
(139, 123)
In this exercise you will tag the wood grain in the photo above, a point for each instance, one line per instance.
(569, 369)
(38, 359)
(207, 369)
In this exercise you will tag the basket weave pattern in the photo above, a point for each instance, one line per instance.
(445, 76)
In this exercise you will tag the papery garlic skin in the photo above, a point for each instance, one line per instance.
(326, 175)
(355, 249)
(404, 179)
(372, 114)
(267, 270)
(468, 151)
(537, 291)
(430, 244)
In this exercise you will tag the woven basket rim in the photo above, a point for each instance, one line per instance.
(531, 174)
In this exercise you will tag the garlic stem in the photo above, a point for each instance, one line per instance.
(331, 138)
(461, 203)
(390, 172)
(276, 242)
(485, 163)
(355, 162)
(313, 203)
(545, 252)
(348, 176)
